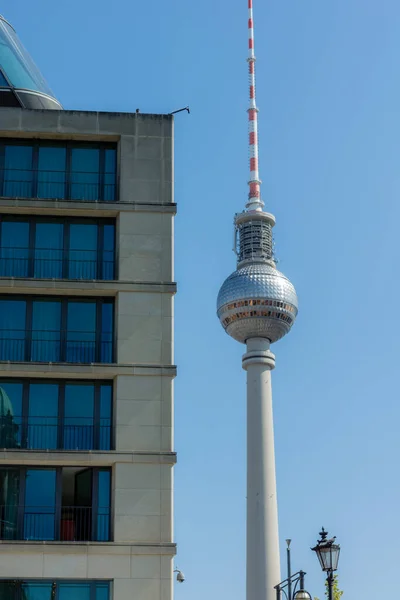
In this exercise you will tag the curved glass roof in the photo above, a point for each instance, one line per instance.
(19, 73)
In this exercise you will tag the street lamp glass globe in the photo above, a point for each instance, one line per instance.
(302, 595)
(328, 557)
(328, 552)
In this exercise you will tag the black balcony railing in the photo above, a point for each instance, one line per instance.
(55, 346)
(54, 433)
(57, 185)
(55, 523)
(52, 263)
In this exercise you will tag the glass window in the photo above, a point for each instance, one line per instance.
(78, 417)
(110, 175)
(46, 324)
(81, 333)
(52, 172)
(10, 415)
(42, 423)
(46, 341)
(18, 173)
(40, 500)
(85, 167)
(14, 250)
(55, 249)
(83, 251)
(49, 242)
(59, 171)
(8, 590)
(77, 591)
(12, 329)
(50, 590)
(103, 516)
(105, 417)
(107, 318)
(37, 591)
(108, 252)
(102, 591)
(9, 501)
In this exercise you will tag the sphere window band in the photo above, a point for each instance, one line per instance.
(256, 313)
(275, 303)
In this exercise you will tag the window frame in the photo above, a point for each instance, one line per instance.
(23, 471)
(62, 384)
(33, 221)
(93, 583)
(63, 342)
(69, 145)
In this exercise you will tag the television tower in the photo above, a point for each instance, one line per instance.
(257, 306)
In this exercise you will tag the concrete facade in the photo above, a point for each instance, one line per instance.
(139, 558)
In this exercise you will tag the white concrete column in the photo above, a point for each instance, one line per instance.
(263, 564)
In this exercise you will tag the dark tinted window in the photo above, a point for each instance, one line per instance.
(14, 250)
(88, 337)
(51, 248)
(60, 171)
(50, 414)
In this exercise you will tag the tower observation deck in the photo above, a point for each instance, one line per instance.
(257, 305)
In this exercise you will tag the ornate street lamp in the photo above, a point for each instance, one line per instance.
(328, 555)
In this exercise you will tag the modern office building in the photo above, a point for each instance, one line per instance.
(86, 346)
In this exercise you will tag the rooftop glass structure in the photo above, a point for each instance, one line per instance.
(21, 83)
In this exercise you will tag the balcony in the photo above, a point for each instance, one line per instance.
(53, 263)
(66, 504)
(54, 523)
(53, 433)
(58, 170)
(57, 248)
(54, 186)
(54, 346)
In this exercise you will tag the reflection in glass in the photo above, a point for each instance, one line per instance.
(83, 251)
(79, 417)
(18, 64)
(9, 501)
(52, 590)
(10, 415)
(108, 252)
(77, 591)
(46, 323)
(37, 591)
(85, 171)
(59, 171)
(49, 241)
(12, 330)
(42, 426)
(40, 500)
(103, 516)
(18, 173)
(110, 175)
(52, 172)
(82, 342)
(107, 321)
(105, 417)
(14, 250)
(81, 334)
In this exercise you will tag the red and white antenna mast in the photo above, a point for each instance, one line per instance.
(255, 202)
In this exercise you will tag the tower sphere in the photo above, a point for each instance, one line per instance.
(257, 300)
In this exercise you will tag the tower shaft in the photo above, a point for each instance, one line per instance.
(262, 556)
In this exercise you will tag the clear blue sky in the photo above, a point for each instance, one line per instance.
(329, 94)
